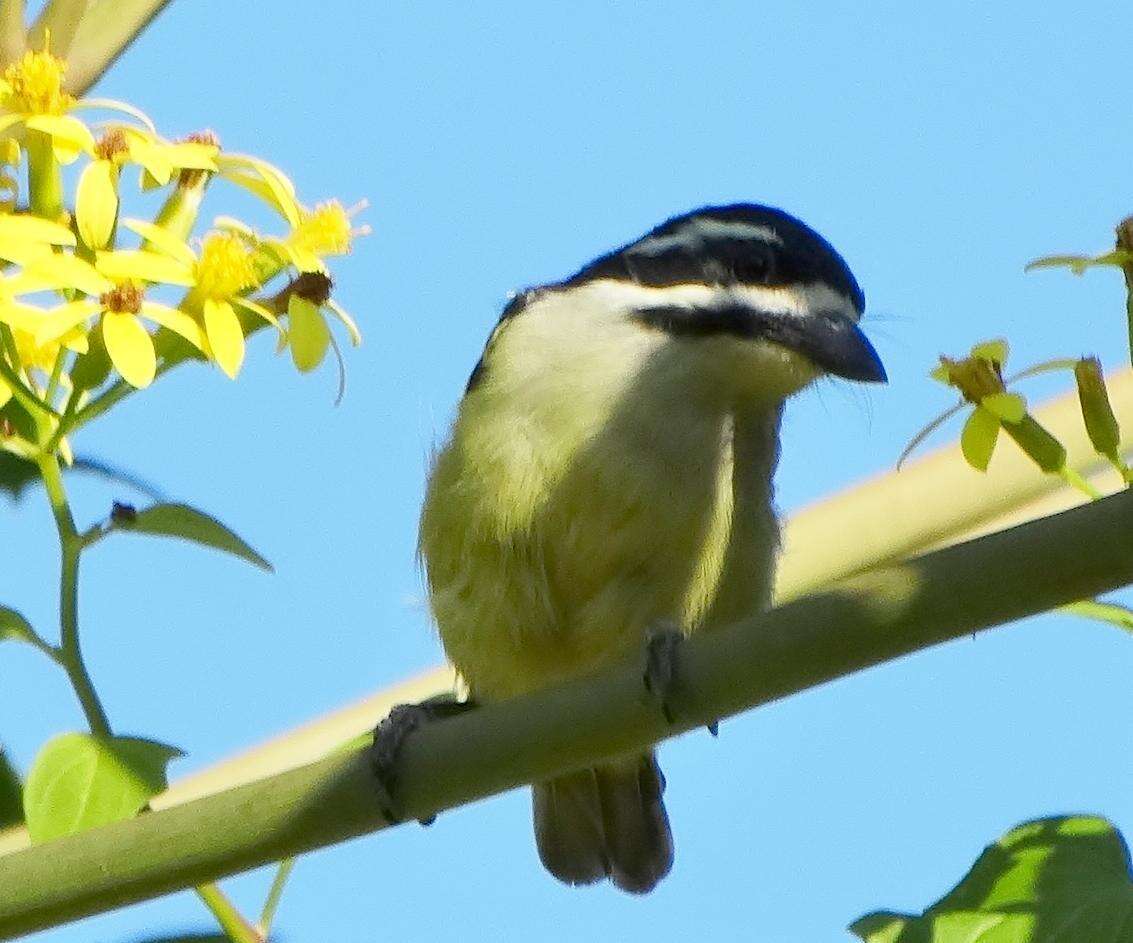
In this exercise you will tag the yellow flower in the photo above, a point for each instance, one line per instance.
(97, 196)
(325, 230)
(32, 95)
(979, 379)
(120, 310)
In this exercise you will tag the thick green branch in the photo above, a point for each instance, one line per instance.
(863, 621)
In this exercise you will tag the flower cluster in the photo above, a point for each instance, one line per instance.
(86, 290)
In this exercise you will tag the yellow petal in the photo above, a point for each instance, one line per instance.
(68, 134)
(308, 333)
(5, 392)
(114, 105)
(978, 439)
(23, 253)
(76, 340)
(175, 320)
(22, 317)
(59, 320)
(348, 322)
(54, 272)
(303, 259)
(96, 203)
(130, 348)
(257, 309)
(190, 155)
(156, 170)
(161, 239)
(232, 224)
(268, 182)
(144, 266)
(225, 337)
(24, 227)
(8, 121)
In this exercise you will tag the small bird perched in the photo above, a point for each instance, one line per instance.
(610, 472)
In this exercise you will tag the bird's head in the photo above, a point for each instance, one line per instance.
(751, 291)
(743, 300)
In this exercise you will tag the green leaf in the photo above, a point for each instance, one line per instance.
(79, 781)
(1102, 612)
(16, 474)
(11, 795)
(14, 626)
(187, 523)
(105, 30)
(1051, 879)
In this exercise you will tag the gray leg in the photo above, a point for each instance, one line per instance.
(389, 738)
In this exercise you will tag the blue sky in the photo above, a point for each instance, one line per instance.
(939, 148)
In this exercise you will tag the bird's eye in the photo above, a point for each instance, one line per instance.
(754, 268)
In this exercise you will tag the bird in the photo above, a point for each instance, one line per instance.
(609, 471)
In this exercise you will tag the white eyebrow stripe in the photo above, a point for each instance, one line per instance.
(796, 300)
(700, 230)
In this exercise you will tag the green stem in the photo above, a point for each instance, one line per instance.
(45, 181)
(271, 904)
(64, 420)
(231, 921)
(862, 621)
(1072, 478)
(71, 546)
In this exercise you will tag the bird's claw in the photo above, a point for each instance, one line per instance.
(389, 739)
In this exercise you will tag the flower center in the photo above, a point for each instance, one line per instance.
(111, 145)
(324, 231)
(974, 377)
(35, 85)
(123, 298)
(225, 267)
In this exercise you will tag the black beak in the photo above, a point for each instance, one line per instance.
(831, 341)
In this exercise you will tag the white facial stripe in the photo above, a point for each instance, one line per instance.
(696, 232)
(799, 300)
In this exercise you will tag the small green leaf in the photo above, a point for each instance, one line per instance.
(17, 474)
(79, 781)
(978, 439)
(14, 626)
(1079, 263)
(11, 795)
(187, 523)
(1050, 879)
(1103, 612)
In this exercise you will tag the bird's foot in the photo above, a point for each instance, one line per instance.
(389, 739)
(661, 662)
(661, 656)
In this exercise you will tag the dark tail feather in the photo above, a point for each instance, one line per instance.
(568, 828)
(608, 821)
